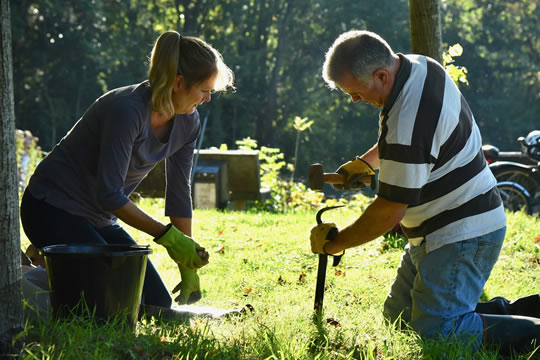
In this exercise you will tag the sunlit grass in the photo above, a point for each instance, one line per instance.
(264, 260)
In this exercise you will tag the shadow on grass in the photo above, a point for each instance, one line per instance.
(79, 334)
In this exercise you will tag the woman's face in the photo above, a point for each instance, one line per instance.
(186, 100)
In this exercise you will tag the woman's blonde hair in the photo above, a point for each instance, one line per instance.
(189, 56)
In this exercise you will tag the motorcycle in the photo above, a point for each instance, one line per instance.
(518, 176)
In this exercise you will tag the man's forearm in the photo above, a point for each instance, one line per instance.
(380, 217)
(372, 157)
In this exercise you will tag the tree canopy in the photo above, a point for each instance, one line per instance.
(68, 52)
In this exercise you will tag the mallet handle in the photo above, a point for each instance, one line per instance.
(333, 178)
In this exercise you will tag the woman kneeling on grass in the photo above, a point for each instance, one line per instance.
(81, 188)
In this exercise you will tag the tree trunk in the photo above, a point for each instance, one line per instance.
(11, 318)
(425, 19)
(265, 125)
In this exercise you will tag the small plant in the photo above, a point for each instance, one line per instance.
(29, 154)
(457, 73)
(300, 125)
(394, 239)
(286, 195)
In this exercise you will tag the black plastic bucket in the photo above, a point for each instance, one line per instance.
(109, 278)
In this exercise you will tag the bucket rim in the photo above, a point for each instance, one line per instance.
(96, 249)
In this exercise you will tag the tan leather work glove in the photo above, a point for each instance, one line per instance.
(321, 235)
(358, 174)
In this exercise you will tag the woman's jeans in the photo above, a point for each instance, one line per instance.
(437, 292)
(46, 225)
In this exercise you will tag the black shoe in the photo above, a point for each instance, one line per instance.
(511, 334)
(525, 306)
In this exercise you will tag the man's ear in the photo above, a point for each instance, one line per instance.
(381, 75)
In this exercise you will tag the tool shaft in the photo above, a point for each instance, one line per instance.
(321, 279)
(323, 263)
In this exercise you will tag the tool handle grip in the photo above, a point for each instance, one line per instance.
(333, 178)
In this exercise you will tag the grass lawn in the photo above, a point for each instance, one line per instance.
(264, 260)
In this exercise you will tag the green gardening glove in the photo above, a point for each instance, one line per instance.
(189, 287)
(358, 174)
(183, 249)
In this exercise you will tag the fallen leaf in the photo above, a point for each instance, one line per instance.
(301, 278)
(281, 281)
(537, 239)
(340, 273)
(248, 291)
(246, 308)
(333, 322)
(221, 250)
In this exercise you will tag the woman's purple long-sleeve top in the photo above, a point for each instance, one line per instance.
(109, 151)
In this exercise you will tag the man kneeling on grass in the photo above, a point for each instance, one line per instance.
(434, 180)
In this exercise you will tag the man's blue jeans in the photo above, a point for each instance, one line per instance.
(437, 292)
(47, 225)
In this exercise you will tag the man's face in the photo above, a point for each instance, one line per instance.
(371, 93)
(186, 100)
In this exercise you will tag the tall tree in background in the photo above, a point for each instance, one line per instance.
(426, 37)
(11, 319)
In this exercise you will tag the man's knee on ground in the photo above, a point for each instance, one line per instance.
(395, 314)
(468, 327)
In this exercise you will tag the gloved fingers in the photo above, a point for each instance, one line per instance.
(204, 255)
(188, 298)
(189, 287)
(194, 297)
(358, 181)
(366, 165)
(355, 166)
(319, 236)
(183, 249)
(177, 287)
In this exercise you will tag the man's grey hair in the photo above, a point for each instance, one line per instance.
(358, 51)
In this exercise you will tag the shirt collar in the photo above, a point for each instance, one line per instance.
(401, 78)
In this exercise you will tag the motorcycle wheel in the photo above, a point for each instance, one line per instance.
(514, 197)
(516, 175)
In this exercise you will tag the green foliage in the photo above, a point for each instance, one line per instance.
(457, 73)
(286, 196)
(29, 154)
(394, 240)
(502, 55)
(67, 53)
(301, 124)
(264, 260)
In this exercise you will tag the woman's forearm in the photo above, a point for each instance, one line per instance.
(132, 215)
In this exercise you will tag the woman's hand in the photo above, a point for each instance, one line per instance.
(182, 249)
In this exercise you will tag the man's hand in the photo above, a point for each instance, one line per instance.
(183, 249)
(189, 287)
(358, 174)
(321, 235)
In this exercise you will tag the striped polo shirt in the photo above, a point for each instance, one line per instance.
(431, 158)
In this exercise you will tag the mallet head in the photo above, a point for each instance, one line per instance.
(316, 177)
